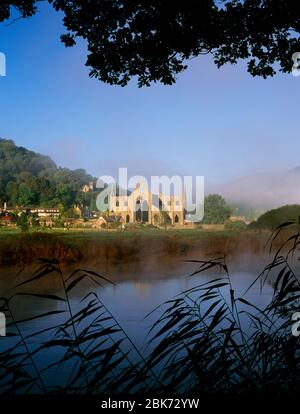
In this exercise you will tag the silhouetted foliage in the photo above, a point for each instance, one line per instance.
(26, 8)
(153, 40)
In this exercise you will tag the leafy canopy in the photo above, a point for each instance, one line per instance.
(153, 40)
(216, 211)
(29, 179)
(277, 216)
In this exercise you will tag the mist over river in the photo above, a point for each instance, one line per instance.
(139, 287)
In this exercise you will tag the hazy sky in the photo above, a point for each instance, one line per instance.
(217, 123)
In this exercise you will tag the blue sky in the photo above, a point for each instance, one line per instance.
(220, 123)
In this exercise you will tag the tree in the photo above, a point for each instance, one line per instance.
(66, 194)
(162, 218)
(27, 196)
(31, 179)
(152, 40)
(272, 219)
(23, 222)
(216, 211)
(26, 8)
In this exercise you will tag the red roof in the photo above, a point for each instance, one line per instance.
(7, 218)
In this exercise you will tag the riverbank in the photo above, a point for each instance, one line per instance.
(78, 246)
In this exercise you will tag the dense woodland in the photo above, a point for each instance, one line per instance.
(29, 179)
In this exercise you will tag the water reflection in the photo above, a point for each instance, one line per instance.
(139, 288)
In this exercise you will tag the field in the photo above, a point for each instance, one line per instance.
(78, 245)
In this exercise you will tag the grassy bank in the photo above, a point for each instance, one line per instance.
(114, 246)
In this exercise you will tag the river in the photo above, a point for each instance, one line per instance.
(138, 289)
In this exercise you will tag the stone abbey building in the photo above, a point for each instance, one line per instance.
(141, 206)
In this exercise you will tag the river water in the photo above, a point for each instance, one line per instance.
(138, 289)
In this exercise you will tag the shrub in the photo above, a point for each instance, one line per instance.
(23, 222)
(238, 225)
(114, 224)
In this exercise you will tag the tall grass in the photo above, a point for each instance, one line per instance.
(208, 339)
(92, 345)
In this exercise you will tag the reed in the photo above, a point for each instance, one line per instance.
(207, 339)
